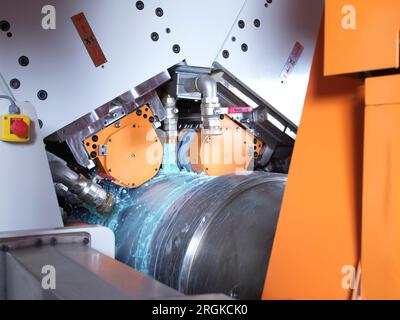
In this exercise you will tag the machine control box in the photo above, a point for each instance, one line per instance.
(14, 128)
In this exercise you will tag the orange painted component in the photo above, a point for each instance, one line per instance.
(319, 226)
(231, 152)
(372, 45)
(89, 39)
(133, 152)
(381, 199)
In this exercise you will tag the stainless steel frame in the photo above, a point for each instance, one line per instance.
(81, 272)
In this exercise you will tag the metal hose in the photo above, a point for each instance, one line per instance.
(86, 190)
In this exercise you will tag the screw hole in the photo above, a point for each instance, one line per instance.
(140, 5)
(155, 36)
(15, 84)
(23, 61)
(176, 48)
(159, 12)
(42, 95)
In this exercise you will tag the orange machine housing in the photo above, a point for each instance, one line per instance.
(129, 151)
(342, 200)
(318, 232)
(381, 191)
(233, 151)
(361, 35)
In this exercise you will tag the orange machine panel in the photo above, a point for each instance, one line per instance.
(231, 152)
(361, 35)
(319, 226)
(381, 194)
(129, 151)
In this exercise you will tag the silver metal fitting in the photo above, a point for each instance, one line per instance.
(85, 190)
(210, 106)
(211, 121)
(171, 120)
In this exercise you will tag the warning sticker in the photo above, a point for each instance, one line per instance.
(292, 61)
(89, 39)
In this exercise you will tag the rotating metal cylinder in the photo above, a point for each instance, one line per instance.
(199, 234)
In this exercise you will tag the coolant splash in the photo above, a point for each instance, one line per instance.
(138, 212)
(169, 163)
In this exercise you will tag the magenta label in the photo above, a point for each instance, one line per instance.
(292, 61)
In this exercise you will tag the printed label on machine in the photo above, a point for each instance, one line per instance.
(89, 39)
(292, 61)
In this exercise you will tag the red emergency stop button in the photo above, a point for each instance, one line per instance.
(19, 128)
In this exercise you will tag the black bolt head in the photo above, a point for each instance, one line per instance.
(42, 95)
(176, 48)
(23, 61)
(140, 5)
(15, 84)
(4, 25)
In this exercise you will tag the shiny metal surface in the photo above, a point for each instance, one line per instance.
(81, 274)
(210, 106)
(198, 234)
(86, 190)
(171, 132)
(265, 122)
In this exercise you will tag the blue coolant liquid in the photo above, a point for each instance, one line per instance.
(138, 213)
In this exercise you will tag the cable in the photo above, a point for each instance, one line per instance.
(13, 109)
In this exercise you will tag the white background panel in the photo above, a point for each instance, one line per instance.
(60, 64)
(27, 197)
(283, 23)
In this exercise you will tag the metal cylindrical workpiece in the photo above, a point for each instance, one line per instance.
(200, 234)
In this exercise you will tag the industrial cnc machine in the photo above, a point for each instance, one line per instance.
(156, 133)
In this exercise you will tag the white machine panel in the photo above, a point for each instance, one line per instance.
(280, 48)
(60, 64)
(27, 196)
(102, 239)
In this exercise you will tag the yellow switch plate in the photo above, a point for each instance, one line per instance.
(5, 128)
